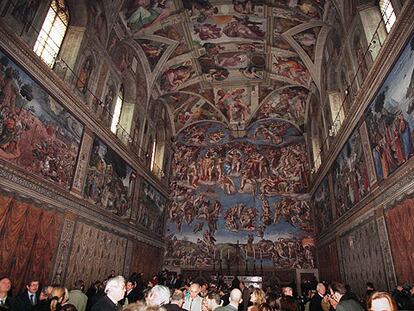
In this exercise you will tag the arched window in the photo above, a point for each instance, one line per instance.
(53, 31)
(388, 14)
(117, 110)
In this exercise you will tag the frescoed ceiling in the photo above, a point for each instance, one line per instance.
(236, 77)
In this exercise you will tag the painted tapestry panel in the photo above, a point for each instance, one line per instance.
(350, 175)
(401, 234)
(28, 240)
(94, 254)
(36, 133)
(328, 263)
(390, 119)
(240, 196)
(152, 205)
(361, 257)
(110, 180)
(146, 259)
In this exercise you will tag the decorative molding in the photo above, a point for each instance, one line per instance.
(47, 193)
(386, 253)
(62, 254)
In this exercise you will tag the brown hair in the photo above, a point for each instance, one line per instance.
(379, 295)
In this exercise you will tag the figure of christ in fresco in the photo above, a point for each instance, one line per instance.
(244, 28)
(142, 13)
(207, 31)
(175, 77)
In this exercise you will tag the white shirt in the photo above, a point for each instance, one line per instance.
(193, 304)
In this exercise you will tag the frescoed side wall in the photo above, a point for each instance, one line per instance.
(390, 119)
(36, 133)
(322, 206)
(110, 180)
(241, 196)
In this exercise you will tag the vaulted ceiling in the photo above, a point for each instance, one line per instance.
(233, 62)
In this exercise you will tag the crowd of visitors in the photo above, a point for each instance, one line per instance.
(169, 292)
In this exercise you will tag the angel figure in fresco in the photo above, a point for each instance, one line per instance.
(175, 77)
(243, 6)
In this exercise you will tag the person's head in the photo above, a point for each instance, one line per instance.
(265, 307)
(204, 287)
(138, 306)
(194, 290)
(212, 301)
(5, 285)
(338, 290)
(287, 291)
(236, 296)
(32, 286)
(177, 297)
(159, 295)
(381, 301)
(258, 296)
(79, 284)
(115, 288)
(321, 289)
(242, 285)
(58, 297)
(68, 307)
(130, 285)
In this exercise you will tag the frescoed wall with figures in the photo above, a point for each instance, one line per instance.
(247, 191)
(390, 119)
(36, 132)
(110, 180)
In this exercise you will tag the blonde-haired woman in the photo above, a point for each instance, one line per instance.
(381, 301)
(257, 297)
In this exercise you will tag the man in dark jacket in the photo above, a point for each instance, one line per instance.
(177, 301)
(316, 301)
(346, 301)
(6, 300)
(29, 298)
(115, 291)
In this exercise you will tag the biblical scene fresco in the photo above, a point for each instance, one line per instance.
(99, 21)
(234, 103)
(153, 50)
(176, 76)
(288, 103)
(290, 69)
(176, 33)
(247, 190)
(322, 208)
(350, 175)
(139, 15)
(36, 133)
(307, 40)
(299, 10)
(194, 109)
(110, 180)
(151, 208)
(390, 119)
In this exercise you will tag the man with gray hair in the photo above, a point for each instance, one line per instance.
(159, 295)
(235, 300)
(316, 301)
(115, 291)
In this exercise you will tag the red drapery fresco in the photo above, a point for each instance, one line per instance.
(328, 262)
(401, 235)
(28, 241)
(146, 259)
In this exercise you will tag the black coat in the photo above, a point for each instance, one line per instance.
(316, 303)
(23, 302)
(9, 303)
(106, 304)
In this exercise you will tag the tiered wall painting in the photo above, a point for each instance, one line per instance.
(36, 132)
(110, 180)
(390, 119)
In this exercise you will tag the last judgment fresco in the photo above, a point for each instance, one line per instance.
(240, 195)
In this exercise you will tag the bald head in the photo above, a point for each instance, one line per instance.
(235, 296)
(194, 290)
(321, 289)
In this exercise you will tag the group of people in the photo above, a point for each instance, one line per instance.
(167, 292)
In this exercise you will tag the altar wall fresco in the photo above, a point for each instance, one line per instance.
(246, 191)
